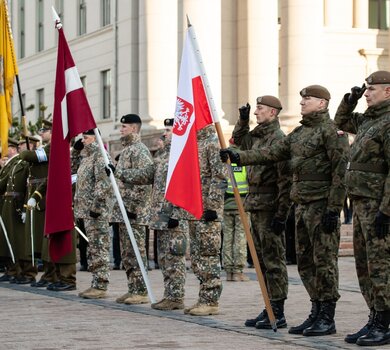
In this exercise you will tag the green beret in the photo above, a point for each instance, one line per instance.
(90, 132)
(270, 101)
(131, 119)
(379, 77)
(316, 91)
(169, 121)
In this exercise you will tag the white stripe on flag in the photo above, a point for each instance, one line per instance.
(72, 82)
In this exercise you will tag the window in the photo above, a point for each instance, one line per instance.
(106, 13)
(106, 94)
(82, 17)
(379, 14)
(60, 9)
(40, 104)
(21, 29)
(40, 25)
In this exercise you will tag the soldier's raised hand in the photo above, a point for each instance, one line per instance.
(356, 93)
(245, 111)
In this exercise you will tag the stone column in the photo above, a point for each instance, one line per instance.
(338, 14)
(360, 14)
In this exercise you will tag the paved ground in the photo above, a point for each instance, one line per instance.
(39, 319)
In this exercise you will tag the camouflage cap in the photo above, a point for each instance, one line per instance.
(169, 121)
(12, 142)
(378, 77)
(270, 101)
(316, 91)
(131, 119)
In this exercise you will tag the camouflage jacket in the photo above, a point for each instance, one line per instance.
(136, 198)
(269, 185)
(368, 171)
(319, 154)
(156, 174)
(37, 180)
(213, 172)
(93, 188)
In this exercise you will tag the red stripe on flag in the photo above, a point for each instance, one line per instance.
(201, 104)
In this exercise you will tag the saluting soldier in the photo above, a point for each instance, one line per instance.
(368, 184)
(319, 154)
(136, 199)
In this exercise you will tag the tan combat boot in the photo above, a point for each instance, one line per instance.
(229, 276)
(122, 298)
(205, 310)
(136, 299)
(167, 304)
(240, 277)
(94, 293)
(85, 291)
(188, 309)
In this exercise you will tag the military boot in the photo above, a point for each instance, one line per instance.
(352, 338)
(204, 310)
(278, 310)
(240, 277)
(188, 309)
(251, 322)
(137, 299)
(122, 298)
(93, 293)
(315, 309)
(379, 333)
(168, 304)
(324, 324)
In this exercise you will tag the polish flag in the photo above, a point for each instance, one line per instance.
(71, 116)
(192, 113)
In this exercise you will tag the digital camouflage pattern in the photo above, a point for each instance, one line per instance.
(268, 197)
(137, 200)
(319, 154)
(369, 190)
(93, 193)
(205, 237)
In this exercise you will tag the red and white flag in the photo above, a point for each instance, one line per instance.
(192, 113)
(71, 116)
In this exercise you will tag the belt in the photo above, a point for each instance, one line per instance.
(263, 189)
(311, 177)
(368, 167)
(37, 181)
(13, 194)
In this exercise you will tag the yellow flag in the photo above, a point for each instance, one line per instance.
(8, 70)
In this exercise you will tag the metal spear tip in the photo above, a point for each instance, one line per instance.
(56, 18)
(188, 22)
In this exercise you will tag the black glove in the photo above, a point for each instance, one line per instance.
(278, 225)
(172, 223)
(356, 93)
(382, 223)
(131, 215)
(93, 214)
(78, 145)
(245, 111)
(210, 215)
(117, 157)
(330, 220)
(110, 168)
(226, 153)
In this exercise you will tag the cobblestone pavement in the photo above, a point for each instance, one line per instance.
(40, 319)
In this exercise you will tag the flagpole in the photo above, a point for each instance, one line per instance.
(22, 117)
(237, 197)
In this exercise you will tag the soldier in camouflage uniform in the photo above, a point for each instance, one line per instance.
(136, 199)
(93, 191)
(368, 185)
(268, 202)
(205, 234)
(319, 154)
(167, 222)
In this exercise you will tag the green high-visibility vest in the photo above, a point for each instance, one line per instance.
(240, 176)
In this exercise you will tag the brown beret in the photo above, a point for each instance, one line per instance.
(131, 119)
(12, 142)
(379, 77)
(315, 91)
(169, 121)
(270, 101)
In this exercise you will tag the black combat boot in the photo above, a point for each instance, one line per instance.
(352, 338)
(251, 322)
(324, 324)
(315, 309)
(379, 333)
(278, 309)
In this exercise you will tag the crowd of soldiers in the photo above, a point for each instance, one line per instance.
(311, 169)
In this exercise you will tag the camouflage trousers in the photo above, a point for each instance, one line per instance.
(171, 248)
(317, 252)
(135, 281)
(271, 252)
(205, 246)
(98, 252)
(371, 255)
(234, 242)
